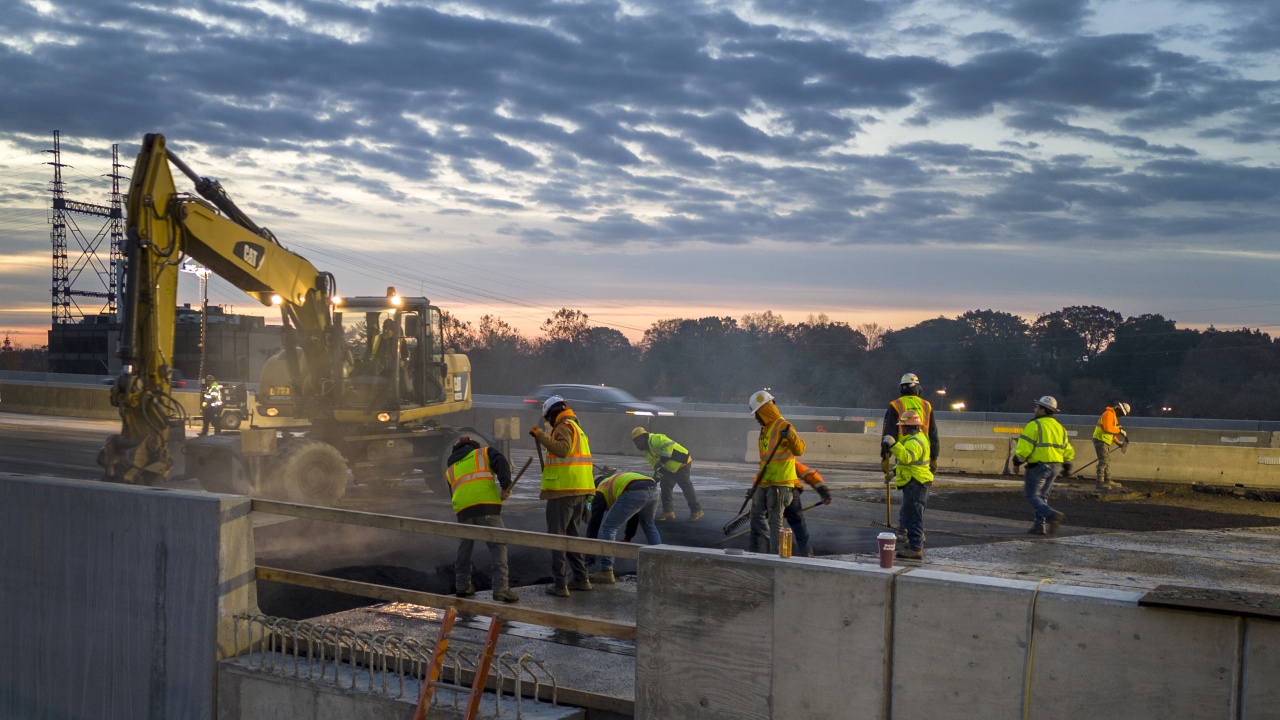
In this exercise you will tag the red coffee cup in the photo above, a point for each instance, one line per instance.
(888, 543)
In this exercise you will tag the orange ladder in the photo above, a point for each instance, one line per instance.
(432, 680)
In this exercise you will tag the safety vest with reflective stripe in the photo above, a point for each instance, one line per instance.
(911, 402)
(572, 472)
(1108, 426)
(1044, 440)
(912, 454)
(782, 469)
(613, 486)
(660, 447)
(471, 482)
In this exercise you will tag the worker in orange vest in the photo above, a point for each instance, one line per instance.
(1108, 433)
(794, 512)
(909, 387)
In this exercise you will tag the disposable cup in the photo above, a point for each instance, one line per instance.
(888, 543)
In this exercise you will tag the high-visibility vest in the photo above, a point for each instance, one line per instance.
(614, 485)
(1100, 432)
(661, 446)
(912, 454)
(1044, 440)
(471, 482)
(212, 396)
(781, 470)
(572, 472)
(911, 402)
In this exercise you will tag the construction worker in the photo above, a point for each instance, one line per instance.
(567, 482)
(621, 497)
(1047, 451)
(913, 475)
(1108, 433)
(479, 480)
(909, 387)
(779, 447)
(794, 512)
(210, 406)
(672, 466)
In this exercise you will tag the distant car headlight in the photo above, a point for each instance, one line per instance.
(646, 413)
(666, 414)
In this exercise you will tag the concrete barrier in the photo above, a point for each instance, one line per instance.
(117, 600)
(83, 401)
(755, 636)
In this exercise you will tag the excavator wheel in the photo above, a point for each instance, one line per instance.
(308, 471)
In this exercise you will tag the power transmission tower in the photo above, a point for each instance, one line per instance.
(66, 271)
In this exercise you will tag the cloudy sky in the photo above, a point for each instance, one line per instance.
(876, 161)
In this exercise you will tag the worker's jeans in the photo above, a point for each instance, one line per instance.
(668, 481)
(1038, 483)
(631, 503)
(1104, 461)
(564, 515)
(915, 495)
(794, 515)
(498, 551)
(766, 517)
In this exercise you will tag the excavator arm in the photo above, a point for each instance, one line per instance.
(163, 226)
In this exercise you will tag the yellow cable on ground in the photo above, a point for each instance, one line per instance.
(1031, 649)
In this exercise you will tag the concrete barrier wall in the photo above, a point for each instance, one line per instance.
(84, 401)
(755, 636)
(117, 600)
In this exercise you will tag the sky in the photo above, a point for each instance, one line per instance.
(875, 161)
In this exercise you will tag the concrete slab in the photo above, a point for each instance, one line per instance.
(1261, 691)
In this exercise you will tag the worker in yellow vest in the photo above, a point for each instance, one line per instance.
(1108, 433)
(619, 498)
(909, 389)
(567, 483)
(1046, 450)
(779, 447)
(479, 479)
(912, 475)
(672, 465)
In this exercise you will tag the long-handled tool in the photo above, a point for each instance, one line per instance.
(888, 504)
(733, 525)
(507, 493)
(1077, 471)
(739, 534)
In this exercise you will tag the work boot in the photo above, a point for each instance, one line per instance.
(907, 553)
(466, 592)
(1055, 521)
(668, 515)
(1036, 530)
(604, 577)
(697, 515)
(507, 595)
(558, 590)
(581, 582)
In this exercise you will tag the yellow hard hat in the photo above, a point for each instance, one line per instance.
(638, 432)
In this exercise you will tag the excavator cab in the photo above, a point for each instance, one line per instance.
(393, 358)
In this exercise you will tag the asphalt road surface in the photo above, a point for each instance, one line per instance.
(962, 510)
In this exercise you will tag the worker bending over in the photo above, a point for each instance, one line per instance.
(1108, 433)
(1047, 451)
(794, 512)
(913, 476)
(779, 447)
(672, 466)
(567, 482)
(909, 387)
(474, 476)
(619, 498)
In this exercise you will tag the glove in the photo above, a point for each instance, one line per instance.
(823, 493)
(535, 431)
(933, 465)
(1066, 469)
(888, 441)
(884, 464)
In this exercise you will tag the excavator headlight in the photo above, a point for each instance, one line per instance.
(336, 299)
(272, 412)
(384, 417)
(277, 300)
(395, 300)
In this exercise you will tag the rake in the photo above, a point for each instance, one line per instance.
(740, 533)
(733, 525)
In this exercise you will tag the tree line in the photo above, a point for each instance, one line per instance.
(1086, 356)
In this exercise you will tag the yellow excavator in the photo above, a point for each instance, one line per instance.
(357, 387)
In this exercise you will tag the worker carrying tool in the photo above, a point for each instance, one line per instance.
(1046, 450)
(779, 447)
(567, 482)
(913, 476)
(794, 512)
(210, 406)
(620, 498)
(909, 387)
(475, 475)
(672, 465)
(1108, 433)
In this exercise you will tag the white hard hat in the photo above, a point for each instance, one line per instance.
(551, 401)
(759, 399)
(1048, 402)
(909, 379)
(1123, 408)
